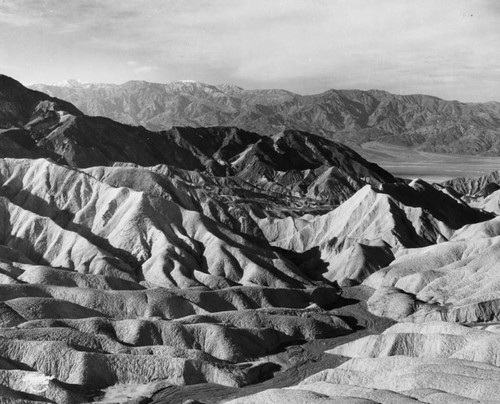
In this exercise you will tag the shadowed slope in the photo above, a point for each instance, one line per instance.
(372, 225)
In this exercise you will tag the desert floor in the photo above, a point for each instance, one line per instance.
(431, 167)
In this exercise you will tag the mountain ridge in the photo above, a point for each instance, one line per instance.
(352, 117)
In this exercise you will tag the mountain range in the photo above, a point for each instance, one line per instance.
(352, 117)
(219, 264)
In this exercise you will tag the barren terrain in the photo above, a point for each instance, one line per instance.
(410, 163)
(221, 265)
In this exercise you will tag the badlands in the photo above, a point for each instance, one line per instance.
(214, 264)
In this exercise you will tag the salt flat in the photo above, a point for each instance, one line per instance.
(406, 162)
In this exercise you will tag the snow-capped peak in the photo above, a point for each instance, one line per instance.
(71, 83)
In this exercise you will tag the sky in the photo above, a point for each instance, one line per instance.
(446, 48)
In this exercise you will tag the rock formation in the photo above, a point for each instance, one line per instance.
(408, 363)
(218, 264)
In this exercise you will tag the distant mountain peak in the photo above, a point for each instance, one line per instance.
(228, 86)
(189, 83)
(72, 83)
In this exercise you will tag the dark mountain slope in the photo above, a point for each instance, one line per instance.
(20, 106)
(296, 164)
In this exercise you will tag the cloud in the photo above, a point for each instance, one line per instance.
(145, 69)
(6, 66)
(139, 68)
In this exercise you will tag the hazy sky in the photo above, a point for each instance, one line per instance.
(448, 48)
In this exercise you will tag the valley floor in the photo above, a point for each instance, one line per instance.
(405, 162)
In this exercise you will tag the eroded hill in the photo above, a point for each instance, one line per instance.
(222, 265)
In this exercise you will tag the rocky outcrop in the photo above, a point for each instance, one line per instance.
(454, 281)
(360, 236)
(427, 340)
(430, 363)
(396, 379)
